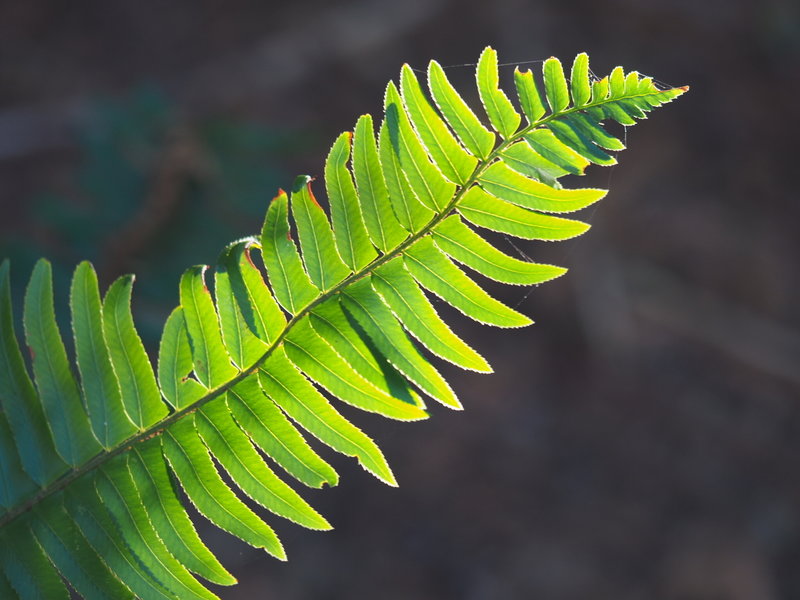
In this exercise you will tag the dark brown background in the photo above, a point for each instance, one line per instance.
(639, 442)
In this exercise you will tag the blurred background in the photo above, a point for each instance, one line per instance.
(639, 442)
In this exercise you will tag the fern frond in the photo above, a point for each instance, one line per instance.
(89, 466)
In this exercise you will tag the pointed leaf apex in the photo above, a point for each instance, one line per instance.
(300, 181)
(388, 478)
(391, 86)
(42, 263)
(281, 194)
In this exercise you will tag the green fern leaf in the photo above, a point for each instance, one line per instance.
(192, 465)
(25, 565)
(472, 133)
(366, 306)
(461, 243)
(137, 382)
(382, 225)
(21, 404)
(506, 184)
(454, 161)
(579, 80)
(90, 467)
(555, 85)
(490, 212)
(350, 341)
(311, 410)
(234, 451)
(101, 390)
(412, 308)
(348, 222)
(429, 184)
(289, 280)
(175, 363)
(319, 361)
(15, 484)
(438, 274)
(322, 261)
(73, 556)
(502, 115)
(58, 391)
(168, 515)
(238, 332)
(270, 430)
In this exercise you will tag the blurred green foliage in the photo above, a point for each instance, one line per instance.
(151, 184)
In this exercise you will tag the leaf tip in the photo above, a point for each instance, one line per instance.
(280, 554)
(322, 524)
(300, 182)
(364, 120)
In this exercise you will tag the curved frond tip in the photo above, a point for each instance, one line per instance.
(266, 344)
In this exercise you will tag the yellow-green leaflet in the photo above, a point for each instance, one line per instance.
(289, 280)
(322, 260)
(57, 388)
(502, 115)
(439, 275)
(409, 304)
(101, 390)
(463, 244)
(481, 208)
(507, 184)
(306, 406)
(348, 224)
(20, 402)
(137, 382)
